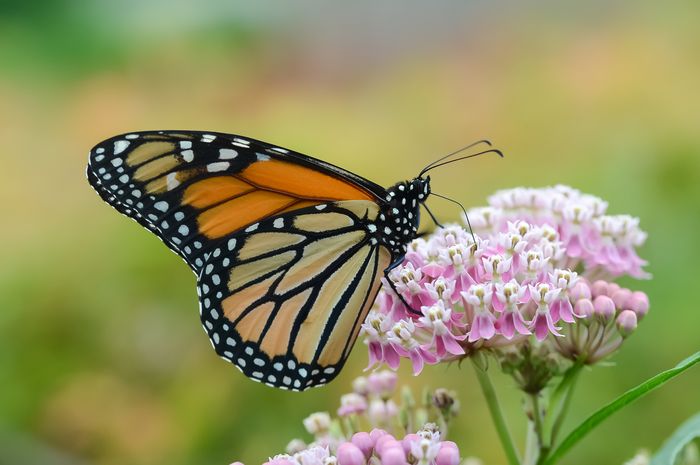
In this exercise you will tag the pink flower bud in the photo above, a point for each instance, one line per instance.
(393, 456)
(621, 298)
(386, 441)
(599, 288)
(613, 288)
(237, 463)
(581, 290)
(364, 442)
(626, 322)
(639, 303)
(350, 454)
(584, 308)
(407, 440)
(448, 455)
(375, 434)
(604, 308)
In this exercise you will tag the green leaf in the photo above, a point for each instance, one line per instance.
(673, 446)
(625, 399)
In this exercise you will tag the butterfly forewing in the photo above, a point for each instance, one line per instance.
(193, 188)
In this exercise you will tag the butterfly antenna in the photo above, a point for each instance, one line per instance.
(464, 210)
(484, 152)
(466, 147)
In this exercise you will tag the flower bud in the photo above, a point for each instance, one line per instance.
(581, 290)
(639, 303)
(393, 456)
(294, 446)
(351, 403)
(443, 399)
(599, 288)
(448, 455)
(384, 441)
(382, 383)
(349, 454)
(381, 412)
(621, 298)
(317, 423)
(375, 434)
(360, 386)
(584, 308)
(626, 322)
(604, 308)
(364, 442)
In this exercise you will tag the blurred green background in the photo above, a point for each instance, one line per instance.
(102, 357)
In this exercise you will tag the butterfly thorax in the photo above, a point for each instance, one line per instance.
(399, 218)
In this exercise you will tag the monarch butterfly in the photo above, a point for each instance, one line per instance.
(288, 250)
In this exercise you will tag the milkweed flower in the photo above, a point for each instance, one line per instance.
(538, 272)
(404, 432)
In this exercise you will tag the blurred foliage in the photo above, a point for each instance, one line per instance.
(101, 355)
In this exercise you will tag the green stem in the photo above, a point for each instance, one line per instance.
(554, 412)
(496, 414)
(565, 407)
(531, 445)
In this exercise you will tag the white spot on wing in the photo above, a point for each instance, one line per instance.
(171, 181)
(120, 146)
(188, 155)
(278, 223)
(217, 166)
(227, 154)
(208, 137)
(162, 206)
(185, 144)
(262, 157)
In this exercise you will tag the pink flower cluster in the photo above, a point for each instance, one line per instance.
(391, 440)
(516, 280)
(378, 447)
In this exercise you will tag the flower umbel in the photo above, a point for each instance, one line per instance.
(540, 274)
(411, 432)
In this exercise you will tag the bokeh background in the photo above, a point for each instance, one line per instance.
(102, 358)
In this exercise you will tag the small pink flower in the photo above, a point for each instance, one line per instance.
(438, 319)
(403, 344)
(483, 326)
(543, 295)
(508, 298)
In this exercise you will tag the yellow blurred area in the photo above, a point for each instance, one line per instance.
(102, 358)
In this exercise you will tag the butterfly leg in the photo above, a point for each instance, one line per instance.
(396, 291)
(437, 223)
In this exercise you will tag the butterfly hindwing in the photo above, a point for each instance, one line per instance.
(284, 300)
(192, 189)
